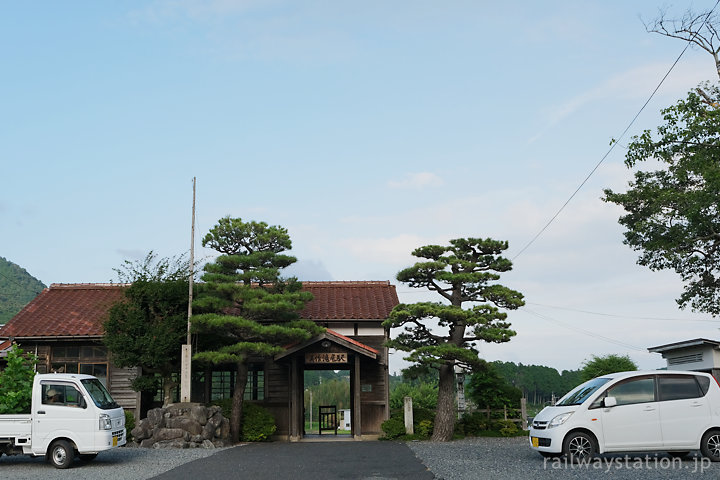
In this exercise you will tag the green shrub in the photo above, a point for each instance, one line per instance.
(423, 423)
(129, 424)
(393, 427)
(258, 424)
(506, 428)
(472, 424)
(424, 428)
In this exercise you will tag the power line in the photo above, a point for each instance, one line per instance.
(615, 142)
(586, 332)
(624, 316)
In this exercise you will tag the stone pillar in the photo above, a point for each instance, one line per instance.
(408, 413)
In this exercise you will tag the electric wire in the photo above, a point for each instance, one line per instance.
(615, 142)
(586, 332)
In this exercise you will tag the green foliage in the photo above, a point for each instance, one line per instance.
(598, 366)
(147, 329)
(672, 213)
(506, 428)
(332, 390)
(129, 424)
(16, 382)
(246, 309)
(17, 288)
(471, 424)
(258, 424)
(537, 382)
(466, 271)
(487, 389)
(154, 269)
(423, 424)
(393, 427)
(424, 395)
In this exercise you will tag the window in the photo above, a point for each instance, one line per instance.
(255, 387)
(222, 385)
(60, 394)
(86, 359)
(678, 387)
(637, 390)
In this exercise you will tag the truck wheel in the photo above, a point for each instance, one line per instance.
(61, 454)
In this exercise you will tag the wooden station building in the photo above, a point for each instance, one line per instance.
(63, 326)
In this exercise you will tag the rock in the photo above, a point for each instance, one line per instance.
(183, 425)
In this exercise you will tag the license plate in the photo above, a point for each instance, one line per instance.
(535, 441)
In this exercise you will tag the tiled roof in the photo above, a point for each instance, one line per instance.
(65, 310)
(70, 310)
(350, 340)
(349, 300)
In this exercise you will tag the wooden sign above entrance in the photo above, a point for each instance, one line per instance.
(326, 357)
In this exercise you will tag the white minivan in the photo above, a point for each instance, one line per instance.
(673, 411)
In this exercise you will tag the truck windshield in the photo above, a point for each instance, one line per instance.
(582, 392)
(101, 397)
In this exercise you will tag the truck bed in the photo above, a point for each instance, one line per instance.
(15, 426)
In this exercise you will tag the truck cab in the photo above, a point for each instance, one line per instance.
(71, 414)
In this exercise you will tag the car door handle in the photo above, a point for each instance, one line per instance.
(649, 409)
(696, 404)
(41, 412)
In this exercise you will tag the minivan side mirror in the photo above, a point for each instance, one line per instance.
(609, 402)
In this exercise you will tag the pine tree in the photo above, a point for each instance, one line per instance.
(246, 309)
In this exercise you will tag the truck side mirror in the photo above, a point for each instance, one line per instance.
(609, 402)
(81, 402)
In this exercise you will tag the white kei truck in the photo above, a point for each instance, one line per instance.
(71, 415)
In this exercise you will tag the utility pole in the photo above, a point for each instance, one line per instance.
(186, 358)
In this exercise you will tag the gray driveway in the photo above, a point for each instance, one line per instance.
(307, 461)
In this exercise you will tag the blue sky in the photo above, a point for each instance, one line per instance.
(366, 128)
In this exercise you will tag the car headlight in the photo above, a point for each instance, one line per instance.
(559, 420)
(105, 422)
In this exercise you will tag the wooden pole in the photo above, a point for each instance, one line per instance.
(186, 353)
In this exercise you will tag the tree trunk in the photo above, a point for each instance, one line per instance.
(237, 401)
(445, 416)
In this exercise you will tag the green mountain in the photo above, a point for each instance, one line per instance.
(17, 288)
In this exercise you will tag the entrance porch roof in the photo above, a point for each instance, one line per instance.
(334, 337)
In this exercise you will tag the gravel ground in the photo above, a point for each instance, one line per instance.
(512, 458)
(468, 459)
(119, 463)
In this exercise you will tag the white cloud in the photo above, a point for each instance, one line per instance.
(418, 181)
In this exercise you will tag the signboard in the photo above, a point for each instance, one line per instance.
(326, 357)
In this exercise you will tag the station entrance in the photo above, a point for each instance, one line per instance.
(327, 403)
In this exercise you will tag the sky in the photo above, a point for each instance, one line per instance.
(367, 129)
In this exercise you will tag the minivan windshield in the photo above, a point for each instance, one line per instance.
(582, 392)
(101, 397)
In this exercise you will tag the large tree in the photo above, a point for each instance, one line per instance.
(673, 214)
(598, 366)
(148, 327)
(442, 335)
(247, 310)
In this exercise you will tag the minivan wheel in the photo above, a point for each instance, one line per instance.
(579, 447)
(61, 454)
(710, 445)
